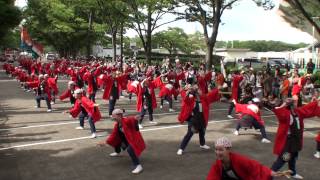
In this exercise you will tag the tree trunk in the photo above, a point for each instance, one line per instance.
(209, 56)
(88, 47)
(148, 38)
(121, 44)
(114, 43)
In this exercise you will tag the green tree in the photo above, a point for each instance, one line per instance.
(144, 19)
(64, 24)
(114, 15)
(10, 17)
(196, 40)
(208, 13)
(11, 39)
(264, 46)
(173, 39)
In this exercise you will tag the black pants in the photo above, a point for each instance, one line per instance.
(143, 112)
(72, 101)
(92, 96)
(255, 124)
(318, 146)
(43, 97)
(189, 135)
(82, 116)
(134, 158)
(167, 98)
(291, 163)
(231, 107)
(112, 103)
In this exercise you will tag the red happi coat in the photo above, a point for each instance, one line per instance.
(52, 82)
(132, 86)
(133, 136)
(67, 93)
(140, 90)
(296, 89)
(36, 84)
(189, 103)
(176, 84)
(33, 84)
(283, 115)
(101, 79)
(243, 108)
(245, 168)
(235, 86)
(166, 90)
(109, 82)
(203, 82)
(318, 138)
(88, 105)
(22, 76)
(124, 81)
(88, 77)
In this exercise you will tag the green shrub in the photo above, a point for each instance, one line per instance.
(316, 76)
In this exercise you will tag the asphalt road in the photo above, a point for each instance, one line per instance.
(37, 145)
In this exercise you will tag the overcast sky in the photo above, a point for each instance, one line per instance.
(244, 22)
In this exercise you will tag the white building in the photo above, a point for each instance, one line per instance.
(100, 51)
(299, 56)
(233, 54)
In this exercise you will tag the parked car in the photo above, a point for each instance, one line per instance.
(51, 56)
(293, 65)
(274, 63)
(251, 62)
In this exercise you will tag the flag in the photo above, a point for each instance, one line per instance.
(37, 48)
(26, 41)
(223, 70)
(29, 45)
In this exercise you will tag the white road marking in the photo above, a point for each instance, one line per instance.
(47, 142)
(75, 122)
(41, 125)
(101, 135)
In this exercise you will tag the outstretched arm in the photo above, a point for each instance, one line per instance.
(213, 95)
(310, 110)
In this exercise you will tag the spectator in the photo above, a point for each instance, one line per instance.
(310, 67)
(308, 90)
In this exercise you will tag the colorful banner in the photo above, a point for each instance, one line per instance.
(29, 45)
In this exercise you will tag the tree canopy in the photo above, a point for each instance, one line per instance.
(10, 17)
(71, 27)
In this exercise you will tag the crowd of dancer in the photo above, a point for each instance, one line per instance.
(289, 95)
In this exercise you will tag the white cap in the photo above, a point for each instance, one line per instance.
(117, 111)
(78, 91)
(224, 142)
(71, 83)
